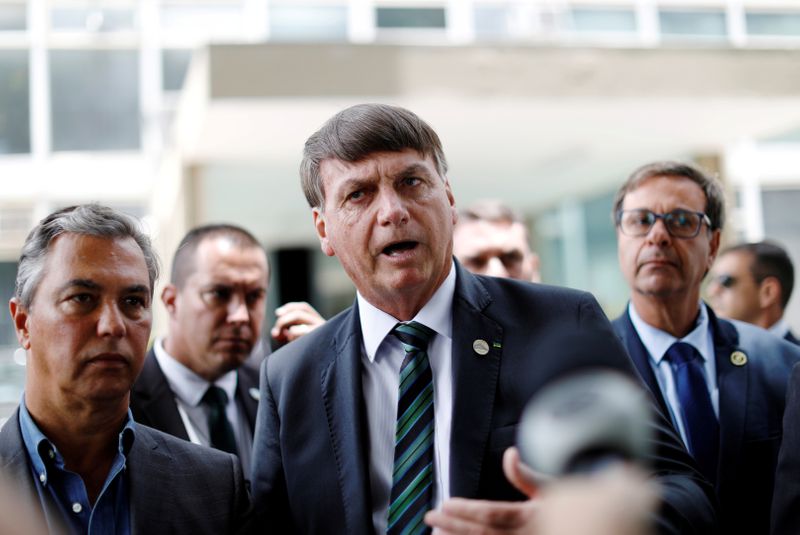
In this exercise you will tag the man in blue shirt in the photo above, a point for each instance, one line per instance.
(82, 311)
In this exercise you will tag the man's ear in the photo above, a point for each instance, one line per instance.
(713, 248)
(169, 296)
(322, 231)
(769, 292)
(19, 316)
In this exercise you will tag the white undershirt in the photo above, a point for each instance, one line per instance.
(189, 389)
(381, 357)
(657, 342)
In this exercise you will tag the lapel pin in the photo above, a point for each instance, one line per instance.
(255, 394)
(738, 358)
(481, 347)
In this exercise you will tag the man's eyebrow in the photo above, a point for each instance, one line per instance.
(82, 283)
(138, 288)
(414, 169)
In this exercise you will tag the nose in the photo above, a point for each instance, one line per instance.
(111, 321)
(391, 209)
(496, 268)
(658, 233)
(237, 309)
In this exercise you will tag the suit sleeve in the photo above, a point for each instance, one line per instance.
(270, 500)
(786, 498)
(688, 500)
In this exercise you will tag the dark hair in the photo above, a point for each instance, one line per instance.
(183, 261)
(490, 210)
(358, 131)
(715, 199)
(87, 219)
(769, 260)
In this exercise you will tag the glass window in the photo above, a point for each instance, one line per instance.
(773, 23)
(307, 23)
(14, 102)
(8, 274)
(410, 17)
(92, 19)
(174, 66)
(13, 16)
(207, 18)
(95, 99)
(692, 23)
(491, 21)
(12, 374)
(603, 20)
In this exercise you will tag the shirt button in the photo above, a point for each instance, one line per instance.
(43, 477)
(77, 508)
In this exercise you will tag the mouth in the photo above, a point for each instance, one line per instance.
(109, 359)
(400, 247)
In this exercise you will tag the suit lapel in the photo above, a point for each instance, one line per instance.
(157, 400)
(247, 393)
(146, 495)
(475, 380)
(640, 357)
(343, 398)
(732, 387)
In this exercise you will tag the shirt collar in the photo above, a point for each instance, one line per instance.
(780, 328)
(436, 315)
(185, 383)
(43, 453)
(657, 342)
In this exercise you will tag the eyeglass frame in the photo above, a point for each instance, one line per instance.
(703, 219)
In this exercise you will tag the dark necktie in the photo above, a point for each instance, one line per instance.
(699, 421)
(219, 428)
(412, 477)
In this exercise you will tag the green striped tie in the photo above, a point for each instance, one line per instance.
(412, 479)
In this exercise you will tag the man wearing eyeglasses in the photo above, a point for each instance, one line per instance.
(193, 384)
(722, 382)
(753, 282)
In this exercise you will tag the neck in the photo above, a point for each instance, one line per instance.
(768, 318)
(86, 434)
(675, 316)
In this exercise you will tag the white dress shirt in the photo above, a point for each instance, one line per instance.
(381, 358)
(189, 389)
(657, 342)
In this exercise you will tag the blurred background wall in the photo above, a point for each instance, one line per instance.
(183, 112)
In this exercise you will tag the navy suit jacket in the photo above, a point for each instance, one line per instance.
(310, 457)
(153, 402)
(786, 504)
(175, 487)
(751, 403)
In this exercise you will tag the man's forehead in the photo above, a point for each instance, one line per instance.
(684, 187)
(75, 257)
(390, 161)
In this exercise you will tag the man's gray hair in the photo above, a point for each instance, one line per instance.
(87, 219)
(358, 131)
(715, 198)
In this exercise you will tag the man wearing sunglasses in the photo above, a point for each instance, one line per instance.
(194, 384)
(753, 282)
(722, 382)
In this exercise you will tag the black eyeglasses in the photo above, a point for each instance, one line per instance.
(679, 223)
(726, 281)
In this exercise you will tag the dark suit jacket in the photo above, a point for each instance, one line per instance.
(175, 487)
(310, 456)
(153, 403)
(792, 338)
(786, 502)
(751, 403)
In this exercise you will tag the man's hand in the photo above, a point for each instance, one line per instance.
(482, 517)
(293, 320)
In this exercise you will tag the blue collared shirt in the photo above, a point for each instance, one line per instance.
(110, 512)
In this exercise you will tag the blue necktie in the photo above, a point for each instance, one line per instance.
(412, 477)
(699, 421)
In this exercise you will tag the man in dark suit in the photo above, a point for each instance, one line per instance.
(753, 282)
(412, 395)
(215, 301)
(786, 502)
(82, 311)
(722, 382)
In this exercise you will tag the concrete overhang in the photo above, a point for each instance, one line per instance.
(527, 124)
